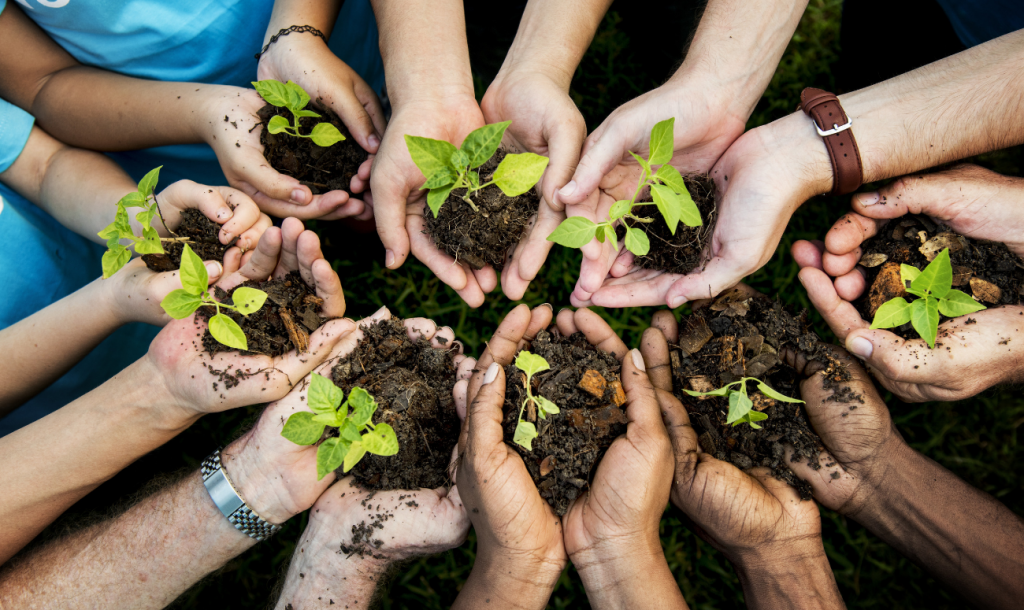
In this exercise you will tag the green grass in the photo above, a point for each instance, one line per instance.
(977, 439)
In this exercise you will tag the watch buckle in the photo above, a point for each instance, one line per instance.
(836, 128)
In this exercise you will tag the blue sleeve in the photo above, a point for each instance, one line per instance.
(3, 3)
(15, 127)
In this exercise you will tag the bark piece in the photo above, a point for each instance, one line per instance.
(931, 248)
(761, 402)
(695, 336)
(873, 260)
(961, 275)
(986, 291)
(547, 465)
(298, 335)
(887, 286)
(593, 383)
(618, 395)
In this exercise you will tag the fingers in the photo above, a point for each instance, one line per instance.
(328, 288)
(295, 366)
(353, 112)
(849, 232)
(940, 195)
(291, 229)
(485, 413)
(261, 262)
(682, 435)
(895, 359)
(448, 270)
(390, 189)
(444, 338)
(606, 149)
(665, 321)
(840, 315)
(375, 111)
(654, 349)
(503, 345)
(280, 193)
(530, 254)
(641, 402)
(808, 253)
(786, 493)
(420, 328)
(564, 146)
(599, 333)
(720, 273)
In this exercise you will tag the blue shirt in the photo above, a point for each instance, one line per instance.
(978, 21)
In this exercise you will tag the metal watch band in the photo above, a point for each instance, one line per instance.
(231, 505)
(834, 127)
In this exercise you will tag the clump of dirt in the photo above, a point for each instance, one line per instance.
(203, 237)
(291, 313)
(984, 269)
(412, 383)
(363, 542)
(687, 249)
(485, 237)
(583, 382)
(321, 169)
(740, 336)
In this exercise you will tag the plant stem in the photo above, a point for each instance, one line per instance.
(161, 215)
(470, 202)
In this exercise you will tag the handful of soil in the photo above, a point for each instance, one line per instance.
(686, 250)
(739, 336)
(291, 313)
(583, 382)
(485, 237)
(203, 237)
(984, 269)
(321, 169)
(412, 383)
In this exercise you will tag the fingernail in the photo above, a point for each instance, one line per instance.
(373, 141)
(548, 305)
(868, 199)
(299, 196)
(638, 360)
(225, 213)
(213, 268)
(860, 346)
(389, 259)
(225, 236)
(568, 189)
(674, 302)
(492, 373)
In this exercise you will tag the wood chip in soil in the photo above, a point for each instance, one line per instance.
(203, 237)
(687, 249)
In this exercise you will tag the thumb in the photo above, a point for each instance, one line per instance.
(564, 151)
(485, 415)
(937, 195)
(390, 198)
(893, 357)
(605, 149)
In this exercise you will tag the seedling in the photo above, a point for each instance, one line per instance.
(934, 287)
(357, 434)
(117, 255)
(741, 408)
(668, 189)
(294, 98)
(181, 303)
(531, 364)
(448, 168)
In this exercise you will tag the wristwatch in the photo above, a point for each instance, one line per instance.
(835, 128)
(231, 505)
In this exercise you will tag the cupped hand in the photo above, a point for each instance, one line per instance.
(971, 354)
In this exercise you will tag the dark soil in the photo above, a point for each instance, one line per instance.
(321, 169)
(291, 313)
(687, 249)
(570, 444)
(984, 269)
(739, 337)
(412, 383)
(203, 237)
(485, 237)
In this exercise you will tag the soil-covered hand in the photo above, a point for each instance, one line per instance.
(545, 121)
(972, 353)
(399, 204)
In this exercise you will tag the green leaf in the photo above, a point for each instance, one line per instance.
(332, 419)
(460, 159)
(574, 232)
(619, 209)
(770, 393)
(431, 156)
(643, 162)
(145, 218)
(739, 405)
(381, 440)
(671, 178)
(530, 363)
(937, 277)
(517, 174)
(115, 258)
(719, 392)
(668, 204)
(754, 416)
(323, 395)
(349, 431)
(437, 196)
(957, 303)
(892, 313)
(481, 144)
(924, 315)
(329, 455)
(545, 406)
(180, 304)
(297, 96)
(689, 213)
(908, 274)
(356, 451)
(193, 272)
(525, 433)
(148, 183)
(248, 300)
(301, 429)
(637, 242)
(442, 178)
(473, 178)
(305, 113)
(278, 124)
(273, 92)
(662, 142)
(228, 332)
(136, 199)
(609, 234)
(363, 406)
(150, 243)
(326, 134)
(122, 225)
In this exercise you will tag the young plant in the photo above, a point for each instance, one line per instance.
(294, 98)
(357, 435)
(741, 408)
(117, 255)
(448, 168)
(531, 364)
(181, 303)
(668, 190)
(934, 287)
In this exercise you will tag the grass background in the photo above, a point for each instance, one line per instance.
(977, 439)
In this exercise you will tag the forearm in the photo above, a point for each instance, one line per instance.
(320, 14)
(963, 536)
(799, 578)
(636, 579)
(503, 582)
(82, 445)
(143, 559)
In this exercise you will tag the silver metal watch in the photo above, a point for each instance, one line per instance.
(231, 505)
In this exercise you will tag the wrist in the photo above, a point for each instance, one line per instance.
(257, 482)
(792, 575)
(607, 569)
(885, 484)
(795, 141)
(146, 388)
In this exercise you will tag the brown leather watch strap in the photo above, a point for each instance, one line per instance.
(834, 127)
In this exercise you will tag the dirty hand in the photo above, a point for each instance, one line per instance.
(399, 204)
(972, 353)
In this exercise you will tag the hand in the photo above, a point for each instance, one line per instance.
(545, 121)
(968, 357)
(399, 205)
